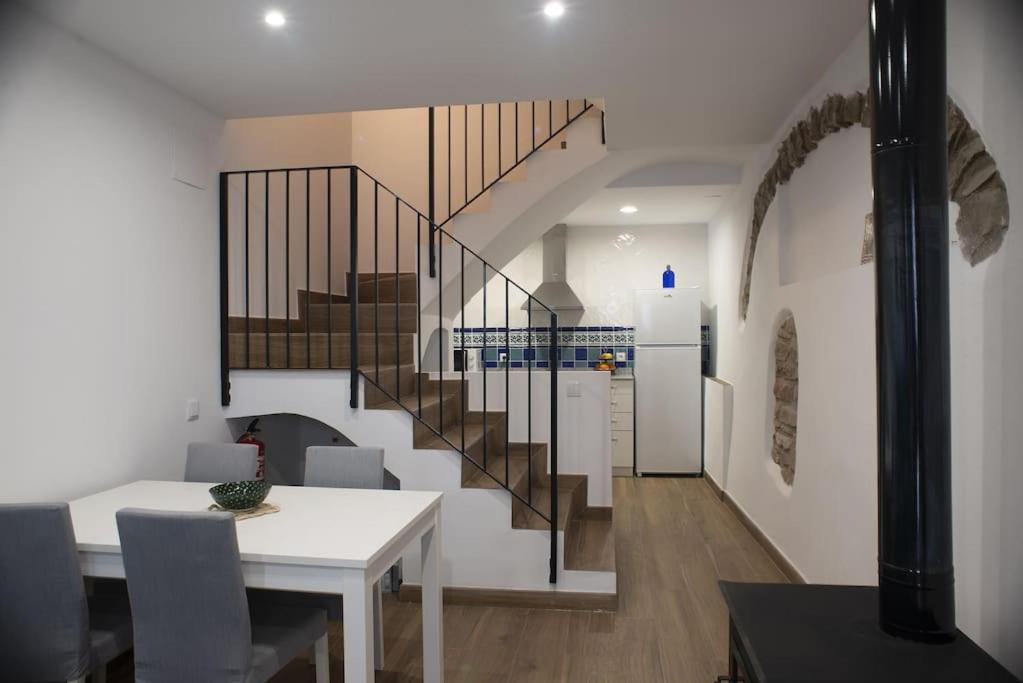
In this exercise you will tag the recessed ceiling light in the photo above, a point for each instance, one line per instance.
(553, 9)
(274, 18)
(628, 208)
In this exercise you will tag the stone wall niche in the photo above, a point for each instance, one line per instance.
(786, 397)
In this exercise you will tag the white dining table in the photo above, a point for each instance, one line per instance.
(323, 540)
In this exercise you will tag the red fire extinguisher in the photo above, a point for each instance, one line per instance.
(250, 437)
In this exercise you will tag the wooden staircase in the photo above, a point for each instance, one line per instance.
(442, 420)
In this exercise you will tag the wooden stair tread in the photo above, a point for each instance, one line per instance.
(474, 434)
(590, 545)
(541, 500)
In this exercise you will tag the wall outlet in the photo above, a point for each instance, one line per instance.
(191, 410)
(575, 389)
(620, 356)
(502, 356)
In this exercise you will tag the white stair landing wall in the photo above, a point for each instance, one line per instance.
(480, 547)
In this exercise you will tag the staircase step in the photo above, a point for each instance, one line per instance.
(310, 350)
(388, 285)
(571, 501)
(369, 315)
(590, 545)
(430, 404)
(517, 462)
(319, 297)
(340, 316)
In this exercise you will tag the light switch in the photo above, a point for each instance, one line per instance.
(192, 409)
(575, 389)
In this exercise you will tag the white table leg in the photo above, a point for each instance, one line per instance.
(433, 618)
(358, 625)
(378, 627)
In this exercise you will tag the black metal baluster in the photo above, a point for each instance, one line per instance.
(465, 150)
(507, 385)
(529, 400)
(483, 147)
(330, 291)
(516, 131)
(485, 366)
(462, 385)
(397, 300)
(266, 264)
(532, 128)
(449, 166)
(440, 335)
(308, 286)
(287, 269)
(376, 279)
(248, 333)
(419, 312)
(225, 300)
(554, 451)
(550, 119)
(353, 258)
(431, 182)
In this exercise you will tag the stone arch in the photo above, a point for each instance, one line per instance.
(786, 396)
(974, 181)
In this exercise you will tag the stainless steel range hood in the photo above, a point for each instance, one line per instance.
(554, 292)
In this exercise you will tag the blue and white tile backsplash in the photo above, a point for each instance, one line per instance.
(578, 347)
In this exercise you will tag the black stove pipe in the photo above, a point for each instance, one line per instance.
(910, 168)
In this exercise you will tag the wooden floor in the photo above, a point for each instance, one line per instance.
(674, 541)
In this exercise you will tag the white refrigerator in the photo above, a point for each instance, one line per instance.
(669, 389)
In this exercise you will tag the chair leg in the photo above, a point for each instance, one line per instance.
(322, 655)
(378, 627)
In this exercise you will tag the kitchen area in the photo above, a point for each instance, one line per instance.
(632, 344)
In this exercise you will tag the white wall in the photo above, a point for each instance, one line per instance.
(109, 282)
(288, 141)
(826, 523)
(605, 264)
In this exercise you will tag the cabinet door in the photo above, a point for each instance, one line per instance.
(621, 449)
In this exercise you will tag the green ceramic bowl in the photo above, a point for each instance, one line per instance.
(240, 495)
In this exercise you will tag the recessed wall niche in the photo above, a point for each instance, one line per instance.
(786, 396)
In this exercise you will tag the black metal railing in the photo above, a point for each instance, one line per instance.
(464, 165)
(312, 259)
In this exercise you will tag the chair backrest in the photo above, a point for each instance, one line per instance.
(347, 467)
(188, 602)
(44, 617)
(217, 463)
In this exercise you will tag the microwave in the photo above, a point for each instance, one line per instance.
(468, 360)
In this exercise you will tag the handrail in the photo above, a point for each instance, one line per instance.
(267, 284)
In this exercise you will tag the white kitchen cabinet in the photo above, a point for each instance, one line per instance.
(623, 435)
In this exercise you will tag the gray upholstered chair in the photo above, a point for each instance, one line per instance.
(217, 463)
(344, 467)
(49, 630)
(349, 467)
(193, 620)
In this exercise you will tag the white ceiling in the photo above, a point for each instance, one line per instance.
(672, 72)
(675, 205)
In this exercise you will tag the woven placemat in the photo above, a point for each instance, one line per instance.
(239, 515)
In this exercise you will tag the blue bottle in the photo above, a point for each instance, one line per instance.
(668, 278)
